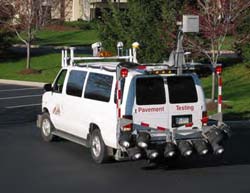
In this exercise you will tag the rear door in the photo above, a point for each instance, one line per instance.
(150, 109)
(184, 106)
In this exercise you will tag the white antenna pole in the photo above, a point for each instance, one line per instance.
(65, 57)
(62, 62)
(72, 56)
(130, 55)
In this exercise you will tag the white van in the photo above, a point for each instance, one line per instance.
(124, 110)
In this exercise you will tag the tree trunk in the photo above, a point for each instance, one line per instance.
(28, 56)
(213, 86)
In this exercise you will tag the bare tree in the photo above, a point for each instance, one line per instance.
(218, 18)
(28, 17)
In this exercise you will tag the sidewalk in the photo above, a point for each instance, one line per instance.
(22, 83)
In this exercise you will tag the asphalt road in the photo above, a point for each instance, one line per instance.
(28, 164)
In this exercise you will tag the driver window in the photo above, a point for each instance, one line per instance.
(58, 85)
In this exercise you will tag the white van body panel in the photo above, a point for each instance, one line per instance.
(74, 115)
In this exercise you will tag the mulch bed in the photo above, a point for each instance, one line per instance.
(212, 106)
(30, 71)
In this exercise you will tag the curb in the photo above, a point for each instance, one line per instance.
(22, 83)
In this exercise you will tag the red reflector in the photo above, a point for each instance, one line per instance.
(204, 120)
(218, 69)
(141, 67)
(189, 125)
(127, 127)
(161, 129)
(144, 124)
(124, 72)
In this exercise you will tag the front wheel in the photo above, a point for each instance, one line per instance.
(47, 128)
(99, 151)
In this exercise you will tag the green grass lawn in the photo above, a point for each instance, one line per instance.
(48, 64)
(64, 38)
(236, 91)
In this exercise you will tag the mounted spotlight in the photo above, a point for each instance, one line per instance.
(218, 149)
(143, 140)
(170, 150)
(200, 146)
(134, 153)
(185, 148)
(215, 137)
(125, 139)
(152, 154)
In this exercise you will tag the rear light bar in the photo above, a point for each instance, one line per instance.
(130, 125)
(205, 118)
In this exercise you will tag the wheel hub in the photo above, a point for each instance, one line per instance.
(46, 127)
(96, 146)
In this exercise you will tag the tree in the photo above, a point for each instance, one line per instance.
(28, 17)
(5, 34)
(218, 18)
(143, 22)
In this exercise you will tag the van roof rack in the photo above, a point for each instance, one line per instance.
(69, 59)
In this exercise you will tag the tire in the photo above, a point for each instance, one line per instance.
(47, 128)
(99, 150)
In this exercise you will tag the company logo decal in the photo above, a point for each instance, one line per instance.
(184, 108)
(57, 110)
(150, 110)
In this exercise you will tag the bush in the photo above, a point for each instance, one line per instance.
(246, 52)
(81, 24)
(6, 39)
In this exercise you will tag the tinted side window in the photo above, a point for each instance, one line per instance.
(181, 89)
(75, 83)
(98, 87)
(150, 91)
(58, 85)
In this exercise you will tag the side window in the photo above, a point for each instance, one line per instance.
(98, 87)
(75, 83)
(58, 85)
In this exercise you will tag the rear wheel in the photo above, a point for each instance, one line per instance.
(99, 150)
(47, 128)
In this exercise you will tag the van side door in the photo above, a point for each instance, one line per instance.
(56, 103)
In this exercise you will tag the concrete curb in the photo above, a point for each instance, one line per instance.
(22, 83)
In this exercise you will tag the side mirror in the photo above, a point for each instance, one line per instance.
(47, 87)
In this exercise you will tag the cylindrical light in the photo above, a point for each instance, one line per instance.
(152, 154)
(185, 148)
(143, 140)
(200, 146)
(170, 150)
(125, 139)
(134, 153)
